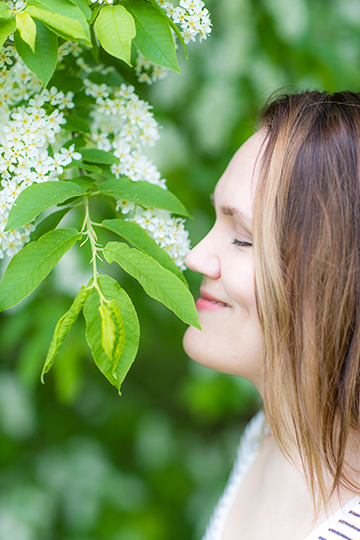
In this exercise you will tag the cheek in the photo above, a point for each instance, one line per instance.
(239, 283)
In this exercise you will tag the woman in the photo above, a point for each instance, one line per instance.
(280, 305)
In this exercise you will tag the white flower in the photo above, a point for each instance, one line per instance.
(6, 54)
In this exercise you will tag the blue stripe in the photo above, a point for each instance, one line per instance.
(340, 534)
(349, 525)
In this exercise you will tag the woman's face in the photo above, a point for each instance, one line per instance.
(230, 340)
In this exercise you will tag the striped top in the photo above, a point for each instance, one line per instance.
(343, 525)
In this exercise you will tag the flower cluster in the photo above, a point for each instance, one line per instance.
(168, 232)
(124, 124)
(192, 16)
(148, 72)
(31, 120)
(27, 132)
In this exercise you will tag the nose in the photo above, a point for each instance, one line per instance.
(204, 257)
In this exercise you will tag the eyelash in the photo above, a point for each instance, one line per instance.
(241, 243)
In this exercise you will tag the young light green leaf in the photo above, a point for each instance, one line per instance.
(43, 60)
(5, 11)
(143, 193)
(108, 331)
(153, 35)
(62, 328)
(111, 290)
(157, 282)
(62, 16)
(172, 24)
(39, 197)
(136, 236)
(32, 264)
(93, 155)
(7, 27)
(27, 28)
(121, 333)
(48, 224)
(115, 28)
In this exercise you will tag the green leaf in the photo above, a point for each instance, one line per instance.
(95, 8)
(32, 264)
(93, 155)
(143, 193)
(115, 29)
(111, 290)
(62, 16)
(153, 35)
(75, 123)
(39, 197)
(87, 166)
(6, 28)
(27, 28)
(136, 236)
(172, 24)
(81, 4)
(156, 281)
(70, 83)
(5, 11)
(43, 60)
(48, 224)
(84, 182)
(108, 330)
(120, 327)
(62, 328)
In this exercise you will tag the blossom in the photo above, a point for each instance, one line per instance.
(192, 16)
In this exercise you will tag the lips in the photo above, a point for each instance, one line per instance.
(209, 302)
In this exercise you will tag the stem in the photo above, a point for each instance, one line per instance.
(88, 230)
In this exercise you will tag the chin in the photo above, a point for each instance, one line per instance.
(214, 354)
(200, 349)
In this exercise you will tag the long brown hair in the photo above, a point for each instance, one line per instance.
(307, 272)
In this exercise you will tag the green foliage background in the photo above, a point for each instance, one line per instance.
(77, 461)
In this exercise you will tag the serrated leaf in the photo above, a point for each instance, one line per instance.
(39, 197)
(121, 333)
(172, 24)
(32, 264)
(153, 35)
(111, 290)
(93, 155)
(7, 27)
(48, 224)
(27, 28)
(108, 330)
(44, 59)
(115, 29)
(157, 282)
(63, 327)
(62, 16)
(5, 11)
(139, 238)
(75, 123)
(143, 193)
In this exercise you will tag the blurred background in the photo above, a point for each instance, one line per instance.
(78, 462)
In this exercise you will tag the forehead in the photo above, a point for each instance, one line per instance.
(236, 187)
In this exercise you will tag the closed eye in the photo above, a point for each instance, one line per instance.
(241, 243)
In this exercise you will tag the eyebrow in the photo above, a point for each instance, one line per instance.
(234, 212)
